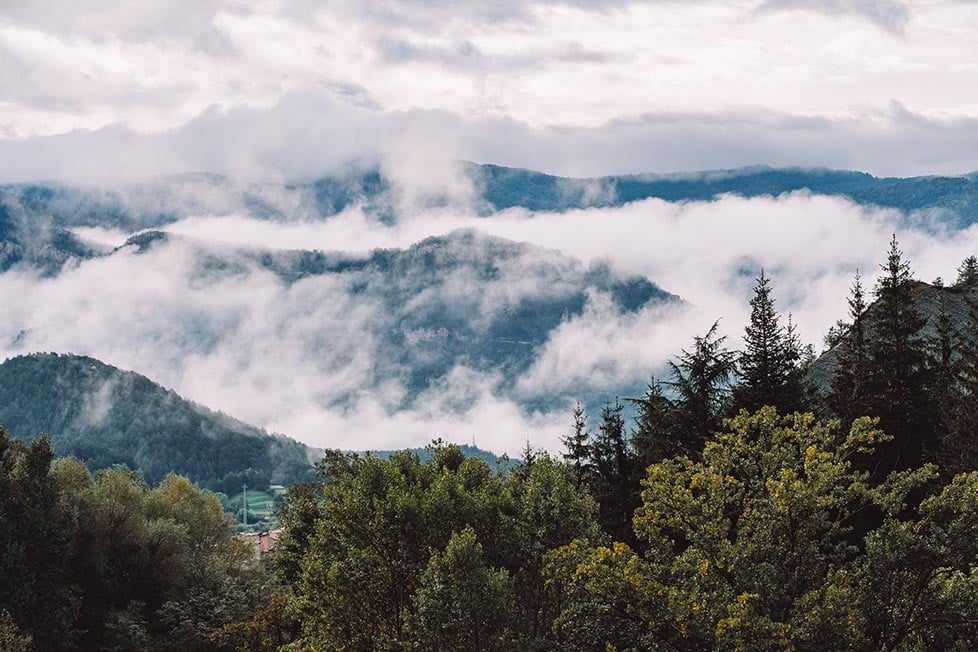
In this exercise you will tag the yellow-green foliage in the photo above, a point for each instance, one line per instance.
(776, 539)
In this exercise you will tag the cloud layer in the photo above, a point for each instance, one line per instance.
(310, 134)
(307, 358)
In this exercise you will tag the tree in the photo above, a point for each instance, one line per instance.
(108, 563)
(846, 395)
(461, 603)
(11, 638)
(653, 438)
(577, 445)
(768, 366)
(960, 445)
(944, 387)
(967, 273)
(551, 510)
(753, 547)
(35, 539)
(612, 485)
(379, 522)
(897, 369)
(701, 386)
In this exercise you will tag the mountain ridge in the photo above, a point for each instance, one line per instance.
(163, 200)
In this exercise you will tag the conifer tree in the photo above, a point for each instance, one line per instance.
(967, 273)
(612, 461)
(653, 439)
(846, 396)
(577, 446)
(701, 385)
(897, 373)
(768, 367)
(941, 347)
(960, 447)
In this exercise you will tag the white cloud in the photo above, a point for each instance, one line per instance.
(576, 73)
(305, 358)
(309, 134)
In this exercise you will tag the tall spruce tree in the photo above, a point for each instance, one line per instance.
(654, 437)
(768, 368)
(941, 347)
(613, 474)
(577, 446)
(847, 397)
(897, 369)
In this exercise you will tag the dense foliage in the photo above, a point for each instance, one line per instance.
(108, 563)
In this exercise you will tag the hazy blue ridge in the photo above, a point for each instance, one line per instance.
(164, 200)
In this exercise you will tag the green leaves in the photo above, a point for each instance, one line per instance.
(776, 539)
(441, 554)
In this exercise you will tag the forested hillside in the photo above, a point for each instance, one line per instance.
(105, 416)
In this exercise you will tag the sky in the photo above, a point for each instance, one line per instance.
(108, 93)
(295, 87)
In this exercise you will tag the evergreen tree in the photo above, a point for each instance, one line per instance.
(654, 436)
(701, 385)
(577, 446)
(527, 458)
(613, 488)
(960, 446)
(768, 368)
(846, 397)
(897, 372)
(967, 273)
(941, 347)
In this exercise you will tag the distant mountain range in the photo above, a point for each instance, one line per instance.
(462, 301)
(464, 298)
(505, 187)
(165, 200)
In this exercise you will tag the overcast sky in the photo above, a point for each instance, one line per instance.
(93, 90)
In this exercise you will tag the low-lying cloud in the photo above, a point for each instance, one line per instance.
(308, 358)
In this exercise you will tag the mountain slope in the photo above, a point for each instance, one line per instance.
(107, 416)
(465, 298)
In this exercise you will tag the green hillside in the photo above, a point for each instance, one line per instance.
(106, 416)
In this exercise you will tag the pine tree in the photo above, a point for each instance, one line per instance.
(577, 446)
(846, 396)
(960, 446)
(897, 364)
(768, 367)
(967, 273)
(653, 439)
(611, 457)
(701, 387)
(528, 458)
(941, 347)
